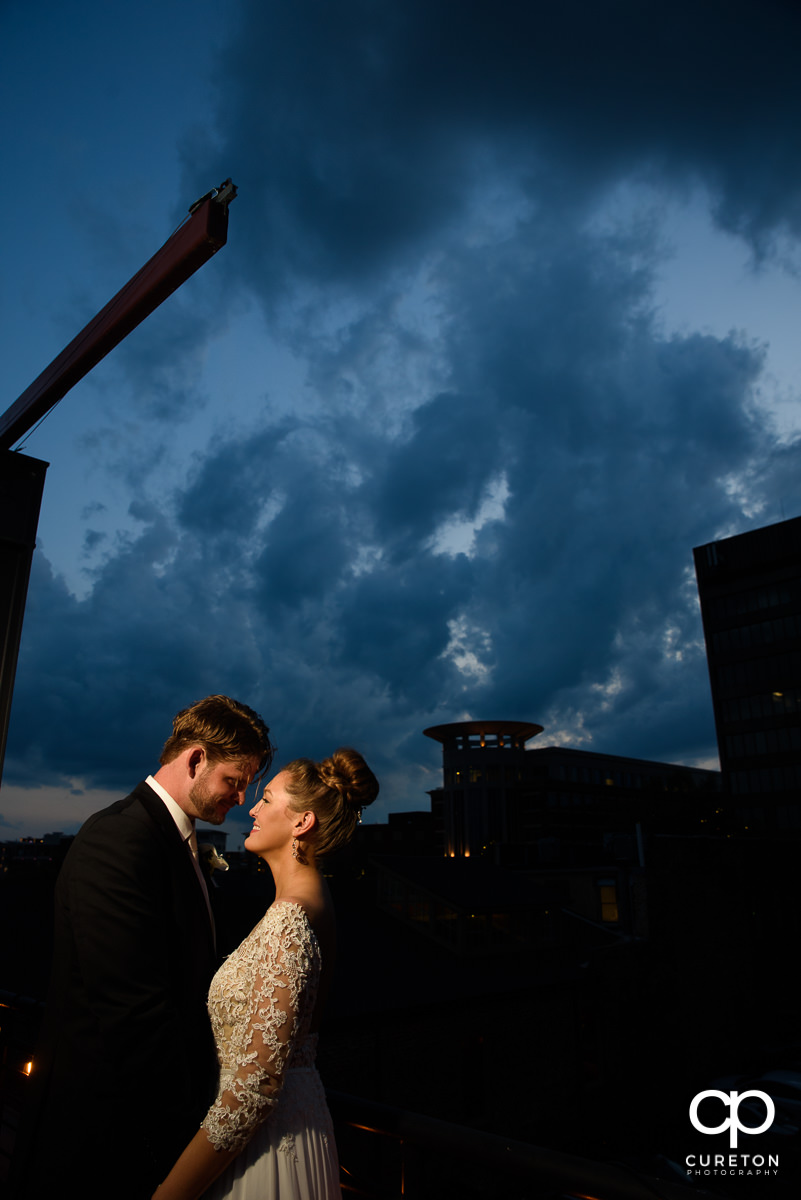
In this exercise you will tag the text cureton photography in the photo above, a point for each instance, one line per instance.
(757, 1105)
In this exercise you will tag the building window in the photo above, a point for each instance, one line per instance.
(608, 897)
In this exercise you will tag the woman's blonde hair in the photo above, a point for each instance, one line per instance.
(335, 790)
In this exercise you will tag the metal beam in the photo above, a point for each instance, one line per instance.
(200, 236)
(196, 240)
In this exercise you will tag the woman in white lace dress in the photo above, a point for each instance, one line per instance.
(268, 1136)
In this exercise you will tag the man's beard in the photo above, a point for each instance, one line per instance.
(206, 802)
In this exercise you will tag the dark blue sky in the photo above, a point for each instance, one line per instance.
(505, 326)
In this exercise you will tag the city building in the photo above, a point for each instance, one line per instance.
(484, 767)
(750, 592)
(530, 807)
(574, 824)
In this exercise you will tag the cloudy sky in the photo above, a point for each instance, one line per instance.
(506, 324)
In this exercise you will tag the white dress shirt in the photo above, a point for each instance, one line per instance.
(186, 828)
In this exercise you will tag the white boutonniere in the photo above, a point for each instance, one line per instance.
(210, 860)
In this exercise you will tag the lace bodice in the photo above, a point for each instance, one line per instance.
(261, 1004)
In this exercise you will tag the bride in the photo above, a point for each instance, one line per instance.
(268, 1135)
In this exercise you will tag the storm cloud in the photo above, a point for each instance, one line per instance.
(483, 500)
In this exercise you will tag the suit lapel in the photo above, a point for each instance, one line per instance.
(184, 867)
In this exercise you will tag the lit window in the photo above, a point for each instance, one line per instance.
(609, 909)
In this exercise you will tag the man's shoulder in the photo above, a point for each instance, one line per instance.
(140, 813)
(132, 829)
(142, 801)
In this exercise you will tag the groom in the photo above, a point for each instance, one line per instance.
(126, 1068)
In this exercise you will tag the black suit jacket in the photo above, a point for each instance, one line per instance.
(127, 1067)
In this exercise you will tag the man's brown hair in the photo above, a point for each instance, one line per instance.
(224, 728)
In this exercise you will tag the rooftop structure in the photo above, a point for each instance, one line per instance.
(483, 767)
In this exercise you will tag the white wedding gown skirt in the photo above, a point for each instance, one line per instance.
(271, 1100)
(293, 1155)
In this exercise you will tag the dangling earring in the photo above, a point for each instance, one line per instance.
(295, 849)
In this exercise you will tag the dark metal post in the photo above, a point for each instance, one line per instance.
(21, 484)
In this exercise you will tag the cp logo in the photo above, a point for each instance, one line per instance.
(733, 1100)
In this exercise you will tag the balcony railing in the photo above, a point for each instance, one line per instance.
(387, 1153)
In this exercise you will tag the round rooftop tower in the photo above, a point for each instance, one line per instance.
(483, 735)
(484, 767)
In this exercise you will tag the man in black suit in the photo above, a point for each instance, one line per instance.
(127, 1067)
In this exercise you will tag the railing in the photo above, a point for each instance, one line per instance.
(387, 1153)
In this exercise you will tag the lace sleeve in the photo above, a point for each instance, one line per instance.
(260, 1002)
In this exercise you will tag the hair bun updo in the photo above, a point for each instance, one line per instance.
(335, 790)
(346, 772)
